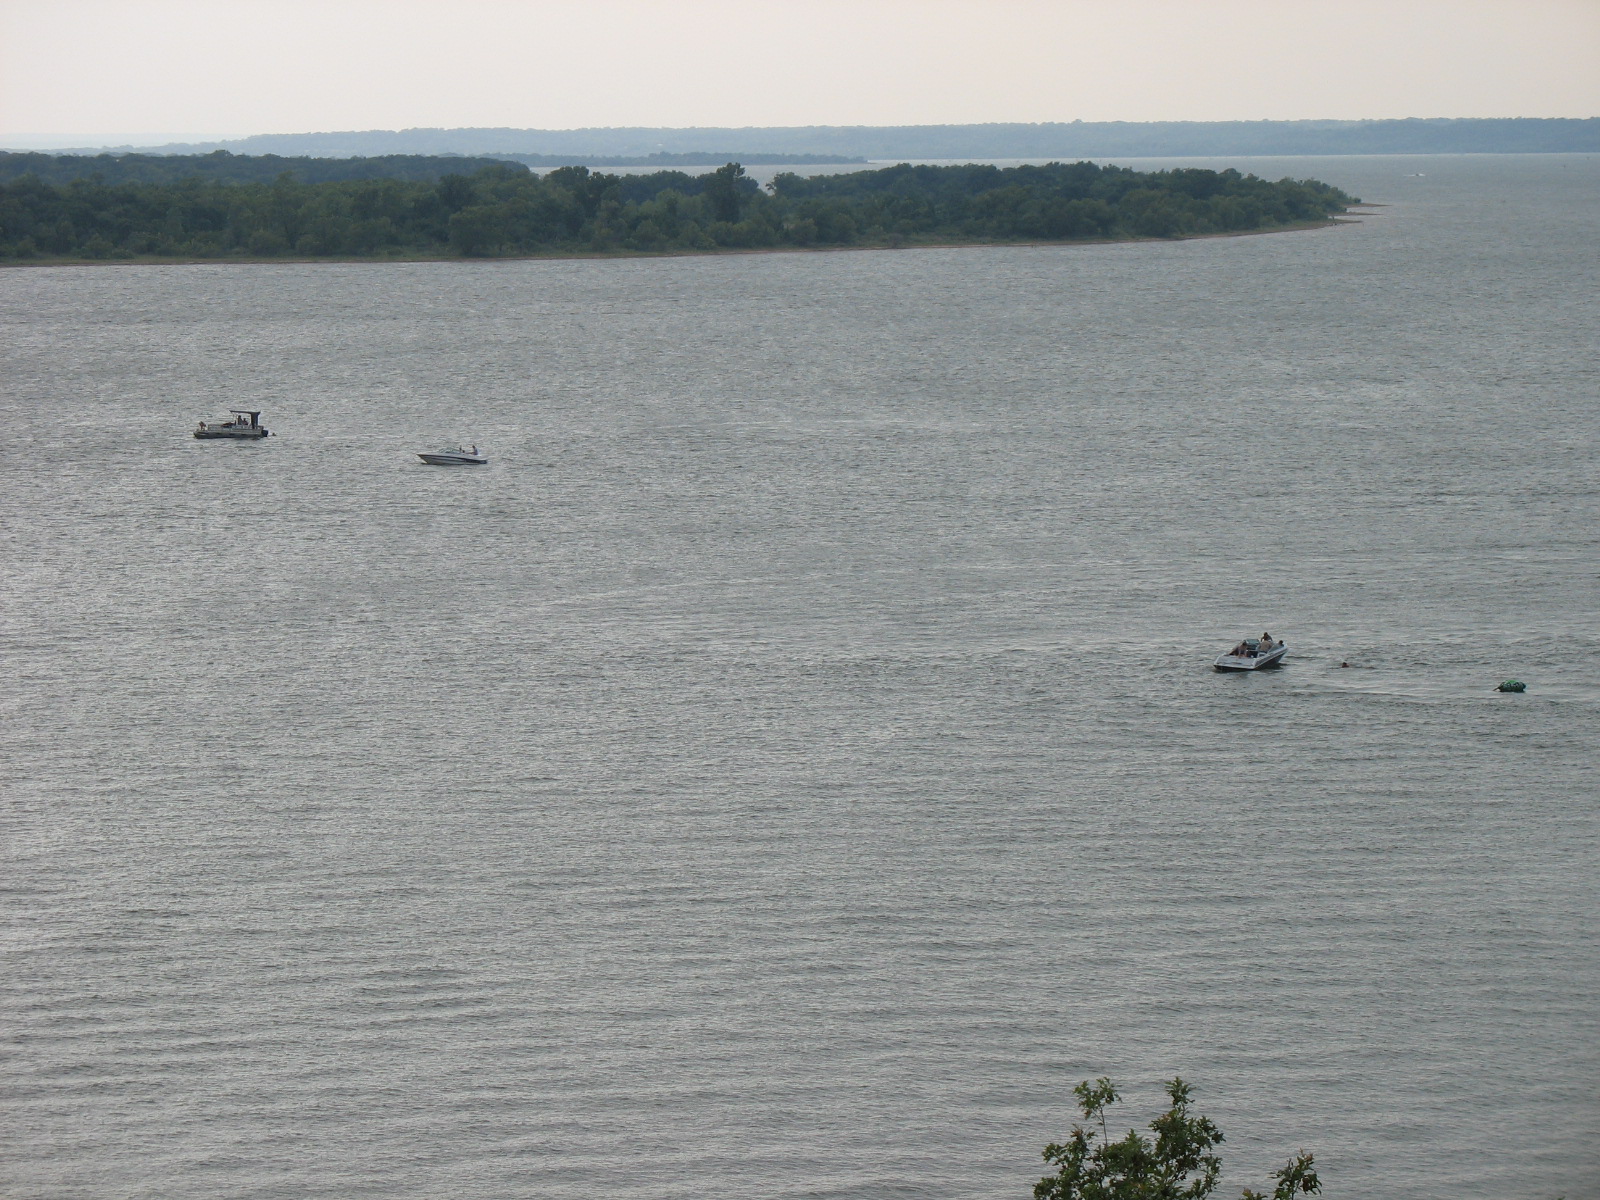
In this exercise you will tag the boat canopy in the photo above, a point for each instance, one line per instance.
(254, 415)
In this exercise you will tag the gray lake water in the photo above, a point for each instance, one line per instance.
(794, 762)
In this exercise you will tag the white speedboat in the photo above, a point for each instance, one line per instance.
(1249, 655)
(460, 456)
(243, 425)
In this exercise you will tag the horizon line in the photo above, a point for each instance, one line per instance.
(147, 137)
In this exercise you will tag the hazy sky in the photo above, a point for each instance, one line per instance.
(114, 70)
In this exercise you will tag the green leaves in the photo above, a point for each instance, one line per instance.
(500, 209)
(1296, 1178)
(724, 192)
(1178, 1163)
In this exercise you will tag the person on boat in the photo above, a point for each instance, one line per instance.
(1266, 642)
(1242, 650)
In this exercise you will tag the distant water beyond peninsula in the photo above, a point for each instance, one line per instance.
(827, 143)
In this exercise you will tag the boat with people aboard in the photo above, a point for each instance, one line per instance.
(245, 424)
(460, 456)
(1252, 654)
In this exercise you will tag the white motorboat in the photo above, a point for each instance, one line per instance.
(460, 456)
(243, 425)
(1251, 655)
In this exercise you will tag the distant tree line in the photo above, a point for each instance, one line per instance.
(223, 167)
(1062, 140)
(504, 210)
(666, 158)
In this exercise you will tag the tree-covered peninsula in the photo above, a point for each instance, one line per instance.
(508, 211)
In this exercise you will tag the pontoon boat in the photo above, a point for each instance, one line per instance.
(243, 424)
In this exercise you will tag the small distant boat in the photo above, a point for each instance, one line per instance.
(460, 456)
(1249, 655)
(243, 425)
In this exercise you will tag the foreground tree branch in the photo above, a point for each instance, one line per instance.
(1178, 1163)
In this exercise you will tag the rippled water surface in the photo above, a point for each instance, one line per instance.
(794, 762)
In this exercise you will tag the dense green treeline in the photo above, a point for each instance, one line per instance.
(667, 159)
(505, 210)
(1061, 200)
(222, 167)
